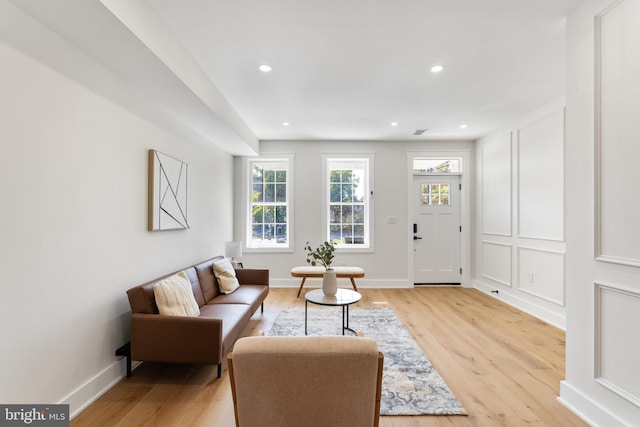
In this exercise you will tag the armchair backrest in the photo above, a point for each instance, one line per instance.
(297, 381)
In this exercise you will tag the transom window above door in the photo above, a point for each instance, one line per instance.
(437, 165)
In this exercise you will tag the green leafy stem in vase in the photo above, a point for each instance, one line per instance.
(322, 255)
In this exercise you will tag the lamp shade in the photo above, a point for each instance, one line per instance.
(233, 250)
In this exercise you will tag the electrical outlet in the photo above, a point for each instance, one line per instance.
(530, 277)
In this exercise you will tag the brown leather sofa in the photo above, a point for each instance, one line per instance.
(199, 340)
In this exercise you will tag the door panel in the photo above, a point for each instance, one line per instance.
(436, 244)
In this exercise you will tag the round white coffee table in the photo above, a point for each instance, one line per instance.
(343, 298)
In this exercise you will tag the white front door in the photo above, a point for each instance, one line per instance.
(436, 229)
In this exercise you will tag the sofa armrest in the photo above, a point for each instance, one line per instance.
(176, 339)
(253, 276)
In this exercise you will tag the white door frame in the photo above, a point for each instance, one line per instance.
(465, 210)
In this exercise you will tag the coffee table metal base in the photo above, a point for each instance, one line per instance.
(344, 298)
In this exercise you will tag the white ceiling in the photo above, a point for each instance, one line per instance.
(346, 69)
(342, 69)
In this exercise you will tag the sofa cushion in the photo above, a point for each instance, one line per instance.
(252, 295)
(174, 296)
(195, 285)
(142, 300)
(235, 317)
(208, 282)
(226, 275)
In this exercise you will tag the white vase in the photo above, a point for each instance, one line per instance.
(329, 282)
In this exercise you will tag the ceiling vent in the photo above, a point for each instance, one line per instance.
(420, 131)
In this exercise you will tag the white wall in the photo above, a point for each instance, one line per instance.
(73, 180)
(603, 293)
(388, 265)
(519, 223)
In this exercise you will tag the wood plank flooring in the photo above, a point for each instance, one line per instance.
(502, 364)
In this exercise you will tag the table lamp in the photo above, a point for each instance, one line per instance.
(233, 250)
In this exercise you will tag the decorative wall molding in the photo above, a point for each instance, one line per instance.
(615, 106)
(632, 262)
(497, 178)
(541, 194)
(548, 271)
(501, 257)
(617, 310)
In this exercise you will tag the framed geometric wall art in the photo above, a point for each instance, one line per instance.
(168, 178)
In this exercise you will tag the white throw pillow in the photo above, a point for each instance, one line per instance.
(174, 296)
(226, 275)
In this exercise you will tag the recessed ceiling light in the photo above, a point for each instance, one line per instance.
(285, 123)
(437, 68)
(463, 126)
(265, 68)
(394, 124)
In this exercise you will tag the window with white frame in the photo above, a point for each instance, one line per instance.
(269, 204)
(348, 201)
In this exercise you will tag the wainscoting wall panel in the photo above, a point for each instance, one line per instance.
(541, 273)
(541, 178)
(617, 353)
(496, 262)
(602, 378)
(496, 188)
(520, 181)
(617, 133)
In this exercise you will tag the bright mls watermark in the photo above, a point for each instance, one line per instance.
(34, 415)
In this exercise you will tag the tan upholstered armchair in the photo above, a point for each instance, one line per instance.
(304, 381)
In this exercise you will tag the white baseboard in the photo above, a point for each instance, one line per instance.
(587, 409)
(509, 297)
(79, 399)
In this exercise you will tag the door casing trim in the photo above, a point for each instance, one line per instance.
(465, 210)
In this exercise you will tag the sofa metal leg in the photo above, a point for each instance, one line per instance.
(219, 369)
(125, 351)
(262, 308)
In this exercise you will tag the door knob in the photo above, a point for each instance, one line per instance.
(417, 238)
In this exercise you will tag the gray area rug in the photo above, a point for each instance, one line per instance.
(410, 383)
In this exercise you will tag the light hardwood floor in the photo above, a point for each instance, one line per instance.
(502, 364)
